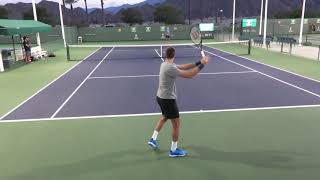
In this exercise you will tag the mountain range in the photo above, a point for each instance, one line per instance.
(198, 9)
(114, 10)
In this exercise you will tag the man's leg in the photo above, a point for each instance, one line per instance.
(175, 133)
(175, 151)
(158, 128)
(160, 123)
(153, 141)
(25, 57)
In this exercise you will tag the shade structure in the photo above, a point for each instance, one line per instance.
(13, 27)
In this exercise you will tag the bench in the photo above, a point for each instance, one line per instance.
(259, 41)
(38, 53)
(286, 40)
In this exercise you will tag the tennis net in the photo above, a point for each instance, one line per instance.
(145, 52)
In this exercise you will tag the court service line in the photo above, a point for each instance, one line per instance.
(19, 105)
(274, 78)
(265, 64)
(151, 75)
(80, 85)
(153, 114)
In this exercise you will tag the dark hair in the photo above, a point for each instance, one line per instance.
(24, 37)
(170, 52)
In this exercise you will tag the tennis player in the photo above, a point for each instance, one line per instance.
(166, 97)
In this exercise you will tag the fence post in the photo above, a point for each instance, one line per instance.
(68, 52)
(249, 50)
(319, 53)
(1, 63)
(306, 38)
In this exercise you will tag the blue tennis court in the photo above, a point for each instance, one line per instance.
(119, 81)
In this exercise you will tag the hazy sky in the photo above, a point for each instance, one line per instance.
(91, 3)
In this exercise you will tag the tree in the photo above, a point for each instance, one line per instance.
(168, 15)
(131, 16)
(71, 2)
(42, 14)
(296, 13)
(3, 13)
(102, 12)
(85, 3)
(64, 4)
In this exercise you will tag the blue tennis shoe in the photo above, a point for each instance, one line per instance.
(153, 144)
(178, 153)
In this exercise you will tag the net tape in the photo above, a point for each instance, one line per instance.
(136, 51)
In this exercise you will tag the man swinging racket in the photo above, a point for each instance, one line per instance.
(166, 97)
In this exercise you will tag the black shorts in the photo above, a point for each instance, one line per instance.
(169, 108)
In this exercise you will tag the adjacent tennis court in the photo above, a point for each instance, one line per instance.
(122, 81)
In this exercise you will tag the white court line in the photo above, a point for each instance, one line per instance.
(266, 64)
(143, 76)
(118, 77)
(64, 103)
(284, 82)
(153, 114)
(231, 72)
(48, 85)
(159, 54)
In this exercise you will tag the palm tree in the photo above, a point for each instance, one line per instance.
(85, 3)
(64, 4)
(71, 2)
(102, 12)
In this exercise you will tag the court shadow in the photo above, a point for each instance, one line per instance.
(97, 164)
(144, 157)
(262, 159)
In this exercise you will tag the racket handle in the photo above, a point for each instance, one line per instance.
(202, 54)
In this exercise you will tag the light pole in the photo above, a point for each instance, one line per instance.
(261, 18)
(265, 24)
(302, 22)
(221, 11)
(35, 16)
(234, 18)
(189, 11)
(62, 24)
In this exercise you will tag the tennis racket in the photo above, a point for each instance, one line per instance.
(196, 38)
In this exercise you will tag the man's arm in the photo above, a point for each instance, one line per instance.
(197, 67)
(189, 73)
(192, 65)
(186, 66)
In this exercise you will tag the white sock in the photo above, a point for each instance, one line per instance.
(174, 146)
(155, 135)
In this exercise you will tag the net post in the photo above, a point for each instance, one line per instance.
(68, 52)
(290, 50)
(161, 51)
